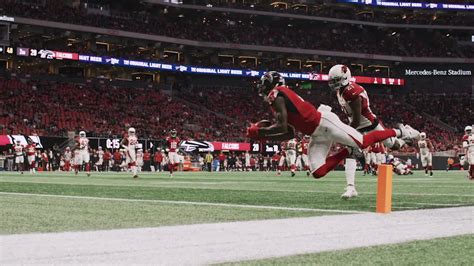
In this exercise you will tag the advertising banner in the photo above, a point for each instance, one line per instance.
(57, 55)
(405, 4)
(231, 146)
(24, 140)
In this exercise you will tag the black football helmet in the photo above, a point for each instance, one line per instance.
(268, 81)
(173, 133)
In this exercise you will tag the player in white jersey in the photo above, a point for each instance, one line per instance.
(468, 144)
(19, 156)
(425, 148)
(368, 160)
(139, 159)
(304, 144)
(129, 143)
(247, 161)
(100, 161)
(291, 155)
(81, 154)
(354, 101)
(399, 167)
(67, 156)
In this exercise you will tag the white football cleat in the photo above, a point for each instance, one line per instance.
(415, 134)
(408, 133)
(349, 193)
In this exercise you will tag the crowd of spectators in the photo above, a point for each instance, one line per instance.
(258, 30)
(453, 109)
(47, 108)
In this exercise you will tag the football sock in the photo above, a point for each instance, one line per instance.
(350, 169)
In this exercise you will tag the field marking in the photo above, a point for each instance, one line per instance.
(162, 182)
(246, 189)
(218, 176)
(441, 204)
(186, 203)
(201, 244)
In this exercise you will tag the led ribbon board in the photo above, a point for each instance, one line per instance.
(57, 55)
(397, 4)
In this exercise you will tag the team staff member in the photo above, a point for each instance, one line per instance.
(208, 161)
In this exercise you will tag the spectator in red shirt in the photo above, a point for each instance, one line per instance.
(107, 156)
(117, 160)
(158, 158)
(222, 158)
(252, 163)
(275, 160)
(44, 161)
(146, 161)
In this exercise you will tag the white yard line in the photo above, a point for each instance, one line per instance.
(221, 242)
(166, 185)
(184, 203)
(439, 204)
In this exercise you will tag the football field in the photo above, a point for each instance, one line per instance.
(103, 202)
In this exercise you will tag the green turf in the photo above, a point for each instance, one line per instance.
(41, 214)
(21, 214)
(457, 250)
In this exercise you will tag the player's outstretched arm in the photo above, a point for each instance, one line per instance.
(279, 130)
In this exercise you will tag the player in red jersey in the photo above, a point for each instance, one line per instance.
(293, 113)
(355, 103)
(31, 155)
(173, 145)
(304, 153)
(378, 155)
(19, 156)
(129, 144)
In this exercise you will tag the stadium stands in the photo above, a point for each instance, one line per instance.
(221, 112)
(258, 30)
(352, 12)
(198, 112)
(47, 108)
